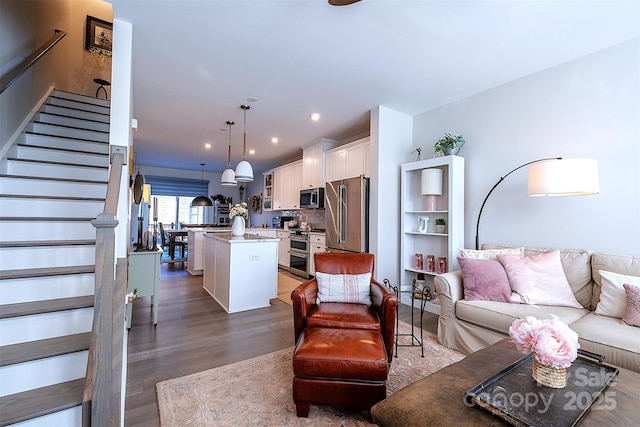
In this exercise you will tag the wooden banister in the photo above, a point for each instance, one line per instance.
(104, 369)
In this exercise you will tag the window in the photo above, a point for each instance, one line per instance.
(174, 196)
(173, 211)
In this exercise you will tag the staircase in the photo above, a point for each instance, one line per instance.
(53, 184)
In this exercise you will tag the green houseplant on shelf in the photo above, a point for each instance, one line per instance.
(440, 225)
(449, 144)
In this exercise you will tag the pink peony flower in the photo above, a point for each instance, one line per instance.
(522, 332)
(552, 341)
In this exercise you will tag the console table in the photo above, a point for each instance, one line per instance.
(144, 278)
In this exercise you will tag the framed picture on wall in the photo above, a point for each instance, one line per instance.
(99, 36)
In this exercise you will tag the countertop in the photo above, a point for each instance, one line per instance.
(247, 238)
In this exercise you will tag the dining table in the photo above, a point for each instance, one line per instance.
(175, 235)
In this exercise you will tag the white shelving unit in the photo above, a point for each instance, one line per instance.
(450, 207)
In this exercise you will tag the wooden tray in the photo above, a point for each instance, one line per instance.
(513, 395)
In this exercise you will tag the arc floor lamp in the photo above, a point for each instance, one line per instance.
(554, 176)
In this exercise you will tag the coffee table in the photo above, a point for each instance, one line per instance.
(437, 400)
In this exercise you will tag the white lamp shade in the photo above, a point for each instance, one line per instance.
(228, 178)
(244, 172)
(431, 182)
(564, 177)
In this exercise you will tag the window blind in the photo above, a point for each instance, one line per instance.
(170, 186)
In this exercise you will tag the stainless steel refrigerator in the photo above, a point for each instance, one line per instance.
(347, 215)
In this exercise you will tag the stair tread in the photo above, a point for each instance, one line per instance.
(87, 181)
(40, 349)
(86, 99)
(40, 243)
(52, 162)
(43, 197)
(44, 147)
(45, 219)
(45, 306)
(65, 116)
(69, 127)
(46, 271)
(88, 141)
(42, 401)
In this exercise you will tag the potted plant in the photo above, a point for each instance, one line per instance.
(449, 144)
(440, 225)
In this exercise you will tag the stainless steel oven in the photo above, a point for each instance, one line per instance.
(299, 253)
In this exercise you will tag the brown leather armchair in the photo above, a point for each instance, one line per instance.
(380, 316)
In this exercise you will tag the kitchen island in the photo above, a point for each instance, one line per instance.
(240, 273)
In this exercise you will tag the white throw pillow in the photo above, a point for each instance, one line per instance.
(490, 253)
(613, 299)
(352, 288)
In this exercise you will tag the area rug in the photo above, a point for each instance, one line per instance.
(257, 392)
(286, 284)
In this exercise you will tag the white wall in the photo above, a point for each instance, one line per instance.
(391, 139)
(589, 107)
(24, 27)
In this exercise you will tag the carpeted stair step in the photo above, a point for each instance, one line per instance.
(46, 306)
(30, 404)
(40, 349)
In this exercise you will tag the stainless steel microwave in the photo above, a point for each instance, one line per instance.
(312, 198)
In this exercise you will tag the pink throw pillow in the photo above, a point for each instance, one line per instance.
(539, 279)
(632, 313)
(484, 279)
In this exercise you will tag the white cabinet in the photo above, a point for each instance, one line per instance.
(195, 260)
(286, 186)
(317, 243)
(258, 231)
(283, 248)
(348, 161)
(427, 242)
(294, 187)
(144, 279)
(280, 178)
(313, 164)
(232, 266)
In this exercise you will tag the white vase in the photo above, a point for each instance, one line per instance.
(237, 228)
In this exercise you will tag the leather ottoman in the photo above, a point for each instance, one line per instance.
(339, 367)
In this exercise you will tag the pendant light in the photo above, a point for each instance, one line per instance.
(244, 171)
(202, 200)
(228, 178)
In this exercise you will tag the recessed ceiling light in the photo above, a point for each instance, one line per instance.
(315, 116)
(274, 140)
(252, 151)
(207, 145)
(252, 99)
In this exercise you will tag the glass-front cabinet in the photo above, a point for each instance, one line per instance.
(267, 199)
(432, 222)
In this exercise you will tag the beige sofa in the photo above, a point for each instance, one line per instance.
(468, 326)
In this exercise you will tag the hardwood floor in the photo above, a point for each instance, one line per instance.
(194, 334)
